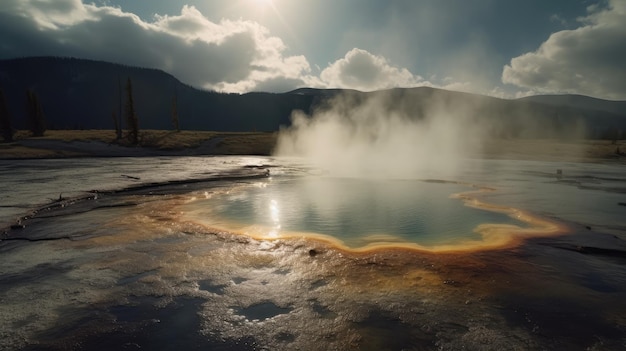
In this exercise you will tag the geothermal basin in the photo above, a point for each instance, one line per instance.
(215, 255)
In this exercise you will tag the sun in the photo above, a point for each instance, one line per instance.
(261, 7)
(263, 3)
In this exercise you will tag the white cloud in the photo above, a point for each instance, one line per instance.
(235, 56)
(362, 70)
(49, 14)
(558, 19)
(229, 55)
(588, 60)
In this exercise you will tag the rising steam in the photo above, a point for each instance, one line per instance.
(374, 137)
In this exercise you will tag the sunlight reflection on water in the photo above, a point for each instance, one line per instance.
(356, 211)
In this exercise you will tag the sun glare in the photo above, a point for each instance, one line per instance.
(262, 3)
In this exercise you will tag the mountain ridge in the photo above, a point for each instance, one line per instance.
(84, 94)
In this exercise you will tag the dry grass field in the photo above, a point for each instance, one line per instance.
(62, 143)
(159, 139)
(76, 143)
(555, 150)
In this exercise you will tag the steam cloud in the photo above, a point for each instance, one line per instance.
(373, 137)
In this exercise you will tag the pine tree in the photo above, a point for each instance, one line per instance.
(36, 119)
(5, 119)
(132, 122)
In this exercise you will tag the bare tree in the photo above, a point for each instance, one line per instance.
(118, 127)
(132, 122)
(36, 119)
(175, 113)
(118, 121)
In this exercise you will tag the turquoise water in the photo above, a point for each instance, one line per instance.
(355, 211)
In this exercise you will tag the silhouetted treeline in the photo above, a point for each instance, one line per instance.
(82, 94)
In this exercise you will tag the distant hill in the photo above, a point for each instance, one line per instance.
(83, 94)
(580, 101)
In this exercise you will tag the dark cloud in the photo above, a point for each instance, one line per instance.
(230, 55)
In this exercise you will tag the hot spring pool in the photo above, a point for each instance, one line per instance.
(357, 212)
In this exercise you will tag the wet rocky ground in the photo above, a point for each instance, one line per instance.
(125, 270)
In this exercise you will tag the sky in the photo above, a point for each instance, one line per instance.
(503, 48)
